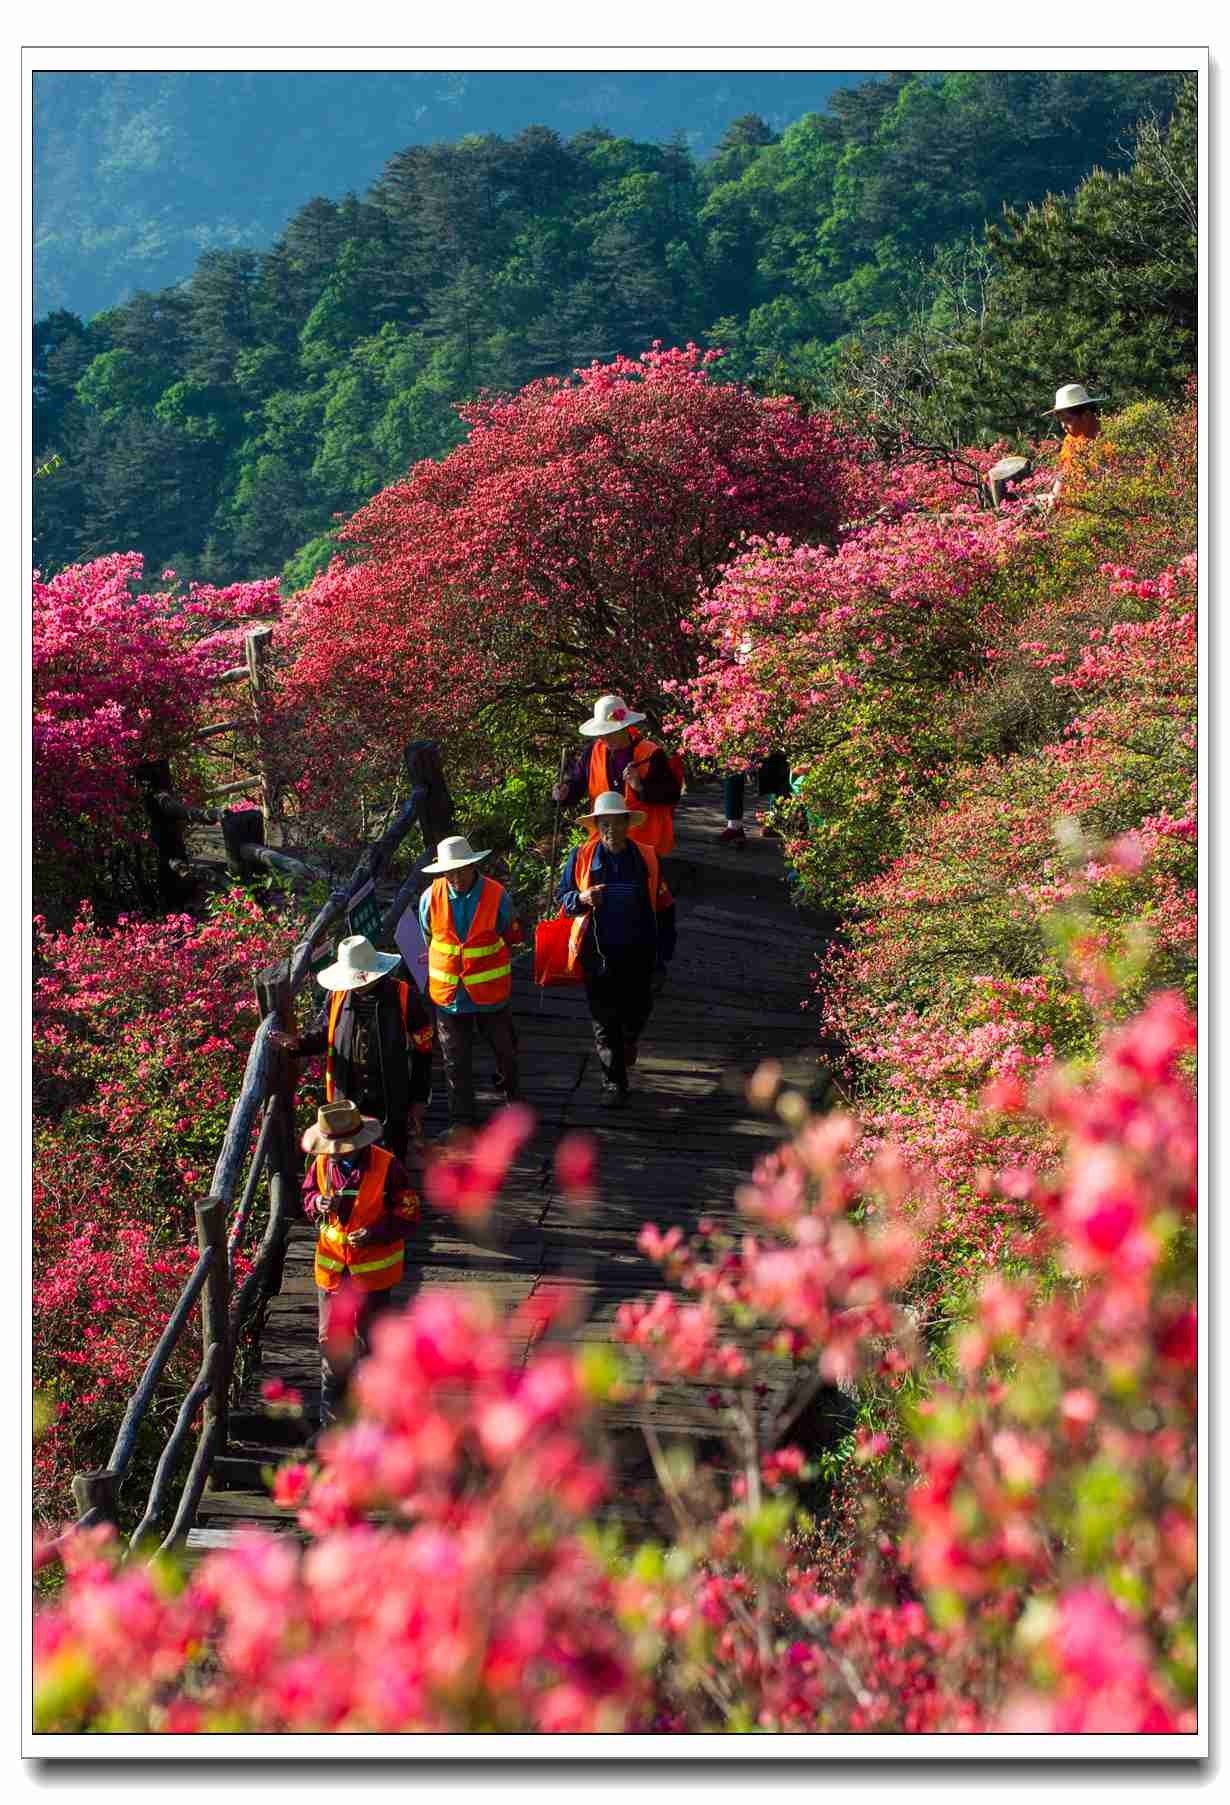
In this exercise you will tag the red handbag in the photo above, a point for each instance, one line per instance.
(551, 953)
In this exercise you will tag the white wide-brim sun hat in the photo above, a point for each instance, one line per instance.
(610, 803)
(1073, 394)
(611, 715)
(453, 855)
(357, 963)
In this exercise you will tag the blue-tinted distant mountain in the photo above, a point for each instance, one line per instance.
(135, 174)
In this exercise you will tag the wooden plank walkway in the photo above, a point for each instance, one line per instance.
(734, 996)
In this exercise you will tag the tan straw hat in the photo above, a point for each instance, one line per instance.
(612, 803)
(357, 963)
(453, 855)
(339, 1128)
(1073, 394)
(611, 715)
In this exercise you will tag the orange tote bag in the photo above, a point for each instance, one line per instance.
(551, 953)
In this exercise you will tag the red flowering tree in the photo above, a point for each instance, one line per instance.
(552, 556)
(118, 678)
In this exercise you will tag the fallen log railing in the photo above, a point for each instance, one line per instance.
(228, 1316)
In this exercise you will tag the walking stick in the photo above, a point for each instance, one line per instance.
(546, 900)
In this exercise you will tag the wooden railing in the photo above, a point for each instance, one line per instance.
(228, 1315)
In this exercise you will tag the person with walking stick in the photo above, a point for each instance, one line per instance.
(622, 938)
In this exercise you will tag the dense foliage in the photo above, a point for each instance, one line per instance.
(221, 424)
(170, 152)
(119, 678)
(1028, 1537)
(141, 1031)
(1101, 284)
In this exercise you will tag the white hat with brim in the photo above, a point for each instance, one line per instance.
(611, 715)
(357, 963)
(611, 805)
(339, 1128)
(1073, 394)
(453, 855)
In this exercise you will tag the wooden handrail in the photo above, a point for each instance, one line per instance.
(126, 1439)
(160, 1484)
(240, 1219)
(266, 1083)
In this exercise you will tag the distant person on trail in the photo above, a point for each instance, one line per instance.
(470, 926)
(364, 1206)
(1077, 413)
(772, 780)
(375, 1033)
(621, 759)
(623, 934)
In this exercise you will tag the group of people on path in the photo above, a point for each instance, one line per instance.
(363, 1184)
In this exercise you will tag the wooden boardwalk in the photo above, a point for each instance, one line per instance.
(741, 973)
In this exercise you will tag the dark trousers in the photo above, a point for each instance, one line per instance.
(456, 1034)
(772, 779)
(619, 1003)
(734, 789)
(338, 1362)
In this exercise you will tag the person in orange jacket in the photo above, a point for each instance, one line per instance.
(375, 1032)
(621, 759)
(364, 1206)
(623, 935)
(1077, 413)
(470, 925)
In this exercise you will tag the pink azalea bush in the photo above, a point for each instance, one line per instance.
(850, 660)
(141, 1031)
(119, 676)
(981, 951)
(1027, 1549)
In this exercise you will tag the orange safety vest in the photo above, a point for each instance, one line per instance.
(483, 963)
(658, 827)
(659, 895)
(372, 1265)
(335, 1010)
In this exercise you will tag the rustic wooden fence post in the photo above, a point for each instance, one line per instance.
(1000, 477)
(215, 1302)
(166, 833)
(425, 770)
(273, 995)
(96, 1491)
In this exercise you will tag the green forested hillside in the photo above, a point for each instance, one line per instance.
(137, 171)
(220, 425)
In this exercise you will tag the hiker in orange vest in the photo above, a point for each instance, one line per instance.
(363, 1204)
(623, 760)
(375, 1034)
(623, 935)
(470, 926)
(1077, 413)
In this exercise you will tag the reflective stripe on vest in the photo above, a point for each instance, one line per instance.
(658, 827)
(481, 962)
(336, 1004)
(334, 1252)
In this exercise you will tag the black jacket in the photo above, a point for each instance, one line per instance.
(394, 1073)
